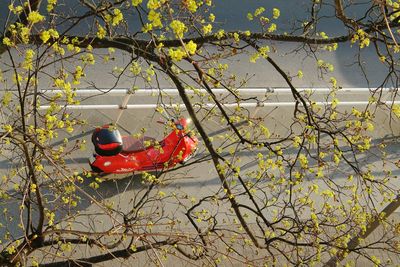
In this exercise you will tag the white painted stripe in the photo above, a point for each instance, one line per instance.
(211, 105)
(242, 91)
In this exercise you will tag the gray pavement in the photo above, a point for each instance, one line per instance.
(201, 180)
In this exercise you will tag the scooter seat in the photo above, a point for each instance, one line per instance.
(131, 144)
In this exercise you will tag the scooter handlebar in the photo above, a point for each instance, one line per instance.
(165, 122)
(180, 125)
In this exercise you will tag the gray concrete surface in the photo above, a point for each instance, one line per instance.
(201, 180)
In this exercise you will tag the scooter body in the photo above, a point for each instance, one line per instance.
(145, 154)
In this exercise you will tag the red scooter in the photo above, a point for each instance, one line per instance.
(126, 154)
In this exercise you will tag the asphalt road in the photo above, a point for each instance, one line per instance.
(201, 179)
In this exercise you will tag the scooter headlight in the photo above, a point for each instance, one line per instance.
(188, 120)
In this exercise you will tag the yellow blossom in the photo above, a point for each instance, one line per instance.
(147, 27)
(136, 2)
(211, 17)
(118, 17)
(296, 141)
(135, 68)
(94, 185)
(153, 4)
(272, 27)
(35, 17)
(101, 32)
(303, 161)
(178, 27)
(155, 18)
(33, 188)
(275, 13)
(264, 50)
(259, 11)
(8, 128)
(370, 127)
(334, 103)
(28, 63)
(11, 250)
(191, 5)
(45, 36)
(236, 37)
(207, 29)
(50, 5)
(7, 98)
(15, 10)
(333, 81)
(396, 110)
(254, 57)
(176, 54)
(24, 33)
(191, 47)
(7, 41)
(220, 34)
(300, 74)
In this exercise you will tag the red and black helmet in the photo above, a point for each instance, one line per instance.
(107, 141)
